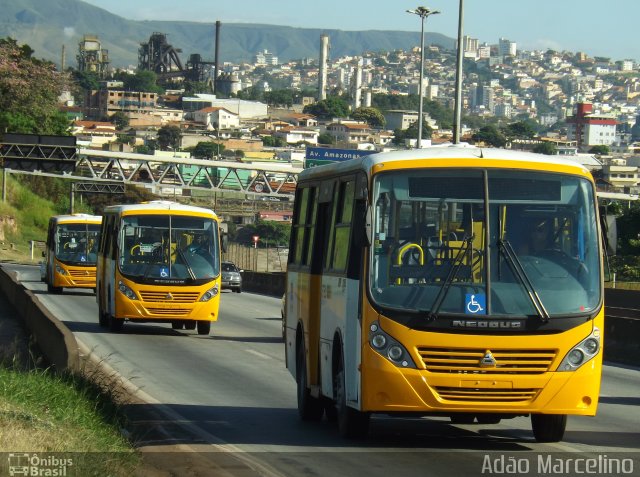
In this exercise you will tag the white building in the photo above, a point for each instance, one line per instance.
(217, 118)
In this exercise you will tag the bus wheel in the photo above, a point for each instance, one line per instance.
(462, 418)
(103, 319)
(548, 427)
(309, 407)
(190, 325)
(351, 422)
(115, 324)
(204, 327)
(177, 325)
(52, 289)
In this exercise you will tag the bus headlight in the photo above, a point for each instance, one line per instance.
(387, 346)
(61, 270)
(126, 291)
(582, 352)
(210, 293)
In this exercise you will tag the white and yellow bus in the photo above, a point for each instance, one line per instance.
(159, 262)
(413, 287)
(71, 252)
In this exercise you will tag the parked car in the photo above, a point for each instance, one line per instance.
(231, 277)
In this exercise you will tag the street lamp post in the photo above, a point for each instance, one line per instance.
(423, 13)
(457, 116)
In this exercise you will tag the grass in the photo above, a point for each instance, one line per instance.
(47, 412)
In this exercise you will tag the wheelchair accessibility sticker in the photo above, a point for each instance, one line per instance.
(475, 304)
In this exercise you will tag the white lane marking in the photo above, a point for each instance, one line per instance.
(258, 353)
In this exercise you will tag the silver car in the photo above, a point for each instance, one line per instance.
(231, 277)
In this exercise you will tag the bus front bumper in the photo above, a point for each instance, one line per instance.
(388, 388)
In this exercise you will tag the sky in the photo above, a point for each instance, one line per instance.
(594, 27)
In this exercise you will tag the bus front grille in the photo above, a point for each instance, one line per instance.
(83, 274)
(486, 395)
(168, 311)
(169, 297)
(474, 361)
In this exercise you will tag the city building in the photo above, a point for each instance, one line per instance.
(590, 129)
(216, 118)
(104, 103)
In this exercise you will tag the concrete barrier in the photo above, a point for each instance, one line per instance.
(52, 337)
(273, 283)
(622, 334)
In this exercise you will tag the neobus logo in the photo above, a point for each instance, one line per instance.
(502, 324)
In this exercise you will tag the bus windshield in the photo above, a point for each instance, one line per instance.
(77, 243)
(504, 243)
(168, 249)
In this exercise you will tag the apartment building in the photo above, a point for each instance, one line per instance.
(590, 129)
(105, 103)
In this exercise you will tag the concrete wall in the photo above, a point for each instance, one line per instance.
(52, 337)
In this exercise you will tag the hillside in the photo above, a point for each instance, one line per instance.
(47, 25)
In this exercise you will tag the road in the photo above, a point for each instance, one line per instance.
(230, 394)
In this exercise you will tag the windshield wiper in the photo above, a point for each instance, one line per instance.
(453, 272)
(516, 267)
(186, 264)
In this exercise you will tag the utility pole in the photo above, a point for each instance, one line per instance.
(458, 101)
(423, 13)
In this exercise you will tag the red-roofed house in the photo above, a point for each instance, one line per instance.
(94, 133)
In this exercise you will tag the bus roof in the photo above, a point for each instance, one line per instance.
(77, 219)
(451, 151)
(162, 206)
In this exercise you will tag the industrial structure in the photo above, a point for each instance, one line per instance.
(159, 56)
(92, 58)
(322, 74)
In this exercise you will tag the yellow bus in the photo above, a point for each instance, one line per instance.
(71, 252)
(414, 286)
(159, 262)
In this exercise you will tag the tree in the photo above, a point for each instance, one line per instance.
(490, 135)
(207, 150)
(601, 150)
(332, 107)
(29, 91)
(325, 138)
(120, 119)
(545, 147)
(272, 141)
(372, 116)
(169, 137)
(279, 97)
(412, 132)
(520, 130)
(144, 80)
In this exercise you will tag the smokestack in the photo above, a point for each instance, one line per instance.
(357, 87)
(217, 58)
(322, 74)
(63, 58)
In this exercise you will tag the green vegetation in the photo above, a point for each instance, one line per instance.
(42, 411)
(29, 89)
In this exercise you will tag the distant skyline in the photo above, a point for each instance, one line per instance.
(596, 28)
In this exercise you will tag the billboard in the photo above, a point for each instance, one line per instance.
(317, 156)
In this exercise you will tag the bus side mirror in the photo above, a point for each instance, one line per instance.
(363, 233)
(224, 243)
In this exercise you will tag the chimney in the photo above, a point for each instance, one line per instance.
(217, 58)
